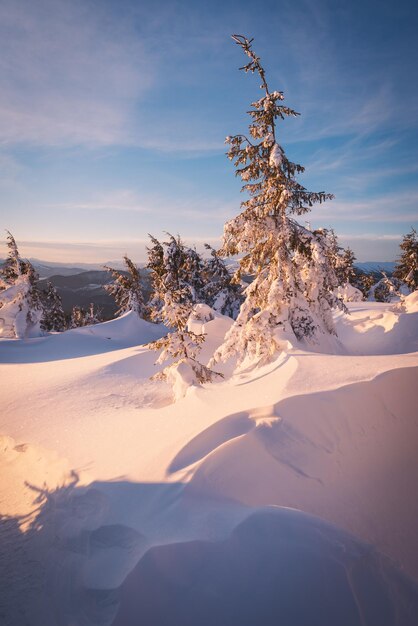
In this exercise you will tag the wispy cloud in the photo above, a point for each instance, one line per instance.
(393, 208)
(370, 237)
(68, 74)
(99, 252)
(10, 169)
(76, 73)
(340, 89)
(194, 207)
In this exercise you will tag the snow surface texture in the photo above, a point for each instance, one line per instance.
(121, 507)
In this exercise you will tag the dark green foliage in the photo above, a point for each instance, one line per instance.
(20, 271)
(82, 317)
(221, 291)
(14, 266)
(53, 316)
(386, 289)
(126, 288)
(178, 281)
(407, 267)
(363, 281)
(176, 274)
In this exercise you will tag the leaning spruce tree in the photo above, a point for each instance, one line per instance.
(126, 288)
(292, 290)
(21, 307)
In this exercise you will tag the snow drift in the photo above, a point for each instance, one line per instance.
(120, 507)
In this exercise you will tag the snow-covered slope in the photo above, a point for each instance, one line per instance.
(120, 506)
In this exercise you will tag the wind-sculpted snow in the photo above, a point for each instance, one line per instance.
(182, 559)
(123, 332)
(225, 430)
(277, 567)
(348, 454)
(120, 507)
(375, 328)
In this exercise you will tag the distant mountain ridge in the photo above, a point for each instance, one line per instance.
(84, 288)
(46, 269)
(376, 266)
(79, 286)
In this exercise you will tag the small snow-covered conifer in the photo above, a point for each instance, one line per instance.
(126, 288)
(174, 268)
(93, 316)
(180, 346)
(21, 307)
(363, 281)
(385, 289)
(221, 292)
(14, 266)
(177, 284)
(346, 272)
(407, 267)
(78, 317)
(193, 272)
(294, 281)
(342, 259)
(53, 318)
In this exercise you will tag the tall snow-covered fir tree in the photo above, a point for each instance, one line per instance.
(53, 318)
(21, 308)
(293, 287)
(126, 288)
(406, 269)
(177, 284)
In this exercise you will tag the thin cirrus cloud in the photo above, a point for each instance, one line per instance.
(383, 208)
(195, 207)
(76, 73)
(96, 252)
(120, 109)
(67, 74)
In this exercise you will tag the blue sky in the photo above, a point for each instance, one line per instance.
(113, 116)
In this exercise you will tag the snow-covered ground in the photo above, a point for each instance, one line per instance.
(120, 506)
